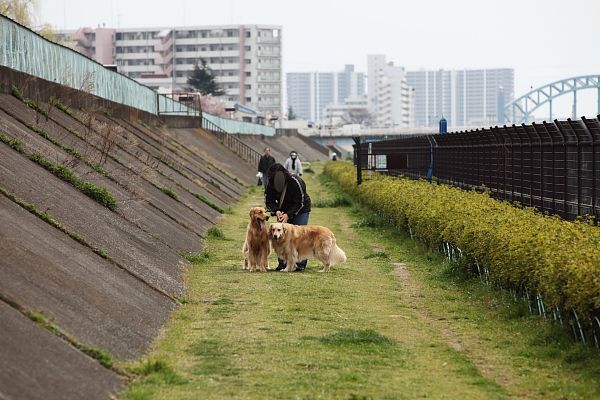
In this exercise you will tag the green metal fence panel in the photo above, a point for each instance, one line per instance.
(233, 126)
(23, 50)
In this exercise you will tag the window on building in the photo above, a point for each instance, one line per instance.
(248, 73)
(248, 61)
(247, 48)
(248, 87)
(249, 99)
(247, 33)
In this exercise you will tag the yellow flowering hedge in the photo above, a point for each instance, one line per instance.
(560, 260)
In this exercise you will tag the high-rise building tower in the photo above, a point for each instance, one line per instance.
(309, 93)
(389, 98)
(462, 97)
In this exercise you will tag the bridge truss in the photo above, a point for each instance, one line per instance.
(518, 110)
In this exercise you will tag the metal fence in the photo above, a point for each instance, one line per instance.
(554, 167)
(23, 50)
(246, 152)
(234, 126)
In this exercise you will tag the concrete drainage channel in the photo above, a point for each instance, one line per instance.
(81, 283)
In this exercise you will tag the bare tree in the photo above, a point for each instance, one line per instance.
(359, 116)
(26, 13)
(19, 10)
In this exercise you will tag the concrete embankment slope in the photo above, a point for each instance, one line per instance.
(103, 276)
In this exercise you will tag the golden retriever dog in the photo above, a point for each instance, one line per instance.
(294, 243)
(256, 247)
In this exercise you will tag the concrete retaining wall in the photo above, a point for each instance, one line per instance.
(106, 279)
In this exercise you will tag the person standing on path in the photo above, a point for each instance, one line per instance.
(286, 198)
(293, 165)
(263, 165)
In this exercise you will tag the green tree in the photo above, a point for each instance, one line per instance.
(291, 115)
(202, 79)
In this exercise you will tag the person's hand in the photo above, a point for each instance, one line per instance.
(284, 218)
(279, 215)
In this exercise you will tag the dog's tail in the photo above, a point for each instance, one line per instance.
(337, 255)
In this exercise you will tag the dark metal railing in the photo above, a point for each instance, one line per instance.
(554, 167)
(179, 103)
(242, 149)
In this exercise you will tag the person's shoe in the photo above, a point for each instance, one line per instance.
(280, 267)
(299, 268)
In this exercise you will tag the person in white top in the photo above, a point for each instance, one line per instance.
(293, 165)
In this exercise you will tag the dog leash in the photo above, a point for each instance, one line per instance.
(282, 196)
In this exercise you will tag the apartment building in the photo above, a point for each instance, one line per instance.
(308, 93)
(338, 114)
(390, 99)
(246, 59)
(463, 97)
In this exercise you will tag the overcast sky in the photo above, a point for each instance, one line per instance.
(543, 40)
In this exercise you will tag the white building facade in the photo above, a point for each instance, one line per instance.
(335, 114)
(390, 98)
(308, 93)
(463, 97)
(245, 59)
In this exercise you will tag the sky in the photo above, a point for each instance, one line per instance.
(542, 40)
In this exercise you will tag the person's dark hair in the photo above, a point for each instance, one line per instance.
(273, 170)
(267, 148)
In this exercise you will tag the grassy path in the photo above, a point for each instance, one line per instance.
(390, 323)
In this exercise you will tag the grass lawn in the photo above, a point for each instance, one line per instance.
(395, 321)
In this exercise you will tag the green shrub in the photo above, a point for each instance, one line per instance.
(103, 356)
(558, 259)
(214, 232)
(15, 144)
(16, 93)
(338, 201)
(210, 203)
(198, 258)
(98, 193)
(61, 106)
(170, 193)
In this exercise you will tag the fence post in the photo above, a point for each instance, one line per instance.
(358, 160)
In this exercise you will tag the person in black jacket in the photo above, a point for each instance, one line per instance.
(264, 163)
(286, 198)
